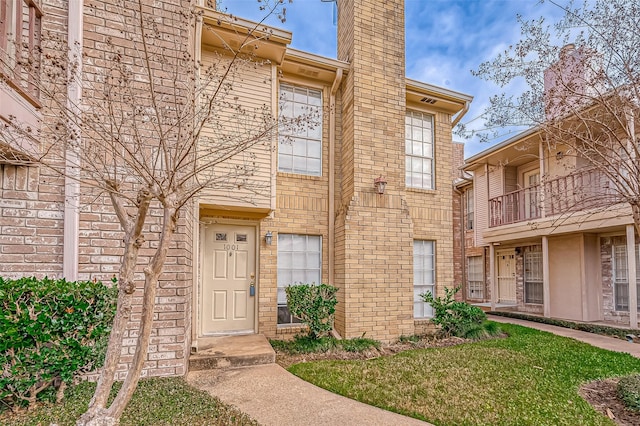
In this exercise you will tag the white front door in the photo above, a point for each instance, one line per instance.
(506, 276)
(228, 297)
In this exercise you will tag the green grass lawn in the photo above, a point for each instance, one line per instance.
(529, 378)
(158, 401)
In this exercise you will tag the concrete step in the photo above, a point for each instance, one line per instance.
(231, 352)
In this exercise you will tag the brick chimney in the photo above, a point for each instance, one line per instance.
(567, 81)
(374, 232)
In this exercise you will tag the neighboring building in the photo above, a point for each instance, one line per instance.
(545, 231)
(320, 217)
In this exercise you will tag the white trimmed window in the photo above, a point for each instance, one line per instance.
(533, 284)
(20, 28)
(300, 135)
(424, 276)
(299, 262)
(475, 277)
(419, 165)
(468, 208)
(621, 276)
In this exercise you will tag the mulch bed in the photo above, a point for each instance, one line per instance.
(603, 397)
(286, 360)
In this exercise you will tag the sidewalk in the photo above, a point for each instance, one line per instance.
(604, 342)
(273, 396)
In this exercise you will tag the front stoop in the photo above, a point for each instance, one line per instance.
(231, 351)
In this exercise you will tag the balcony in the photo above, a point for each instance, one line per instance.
(581, 190)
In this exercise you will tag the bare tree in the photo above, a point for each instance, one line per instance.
(583, 91)
(153, 128)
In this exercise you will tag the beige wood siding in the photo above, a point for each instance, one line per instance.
(510, 179)
(481, 206)
(495, 181)
(253, 89)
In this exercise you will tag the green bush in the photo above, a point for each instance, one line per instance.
(315, 305)
(458, 318)
(629, 391)
(51, 331)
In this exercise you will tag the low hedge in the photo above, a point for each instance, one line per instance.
(52, 330)
(629, 391)
(604, 330)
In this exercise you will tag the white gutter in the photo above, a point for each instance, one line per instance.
(332, 172)
(72, 154)
(460, 114)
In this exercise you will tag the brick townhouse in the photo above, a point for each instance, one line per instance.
(323, 216)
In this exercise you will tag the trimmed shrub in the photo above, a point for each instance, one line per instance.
(629, 391)
(459, 318)
(51, 330)
(315, 305)
(603, 330)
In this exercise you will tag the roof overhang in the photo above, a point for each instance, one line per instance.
(309, 65)
(437, 97)
(227, 32)
(517, 150)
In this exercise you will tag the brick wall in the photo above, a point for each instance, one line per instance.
(32, 198)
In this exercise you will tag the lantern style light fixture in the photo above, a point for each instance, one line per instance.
(380, 184)
(268, 238)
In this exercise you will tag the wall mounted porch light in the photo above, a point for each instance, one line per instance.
(380, 184)
(268, 238)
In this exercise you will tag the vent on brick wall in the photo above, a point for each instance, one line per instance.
(307, 72)
(428, 100)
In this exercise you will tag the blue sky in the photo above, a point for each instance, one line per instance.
(445, 39)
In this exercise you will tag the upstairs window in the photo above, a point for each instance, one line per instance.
(300, 147)
(418, 143)
(20, 27)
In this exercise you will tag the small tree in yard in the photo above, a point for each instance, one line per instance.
(585, 95)
(153, 129)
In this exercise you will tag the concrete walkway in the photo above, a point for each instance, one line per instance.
(604, 342)
(273, 396)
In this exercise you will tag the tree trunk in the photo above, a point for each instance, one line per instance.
(126, 288)
(98, 415)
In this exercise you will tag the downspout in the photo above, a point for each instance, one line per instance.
(463, 264)
(332, 171)
(460, 114)
(72, 150)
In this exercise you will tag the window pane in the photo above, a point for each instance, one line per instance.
(423, 274)
(299, 164)
(299, 261)
(306, 103)
(313, 166)
(419, 150)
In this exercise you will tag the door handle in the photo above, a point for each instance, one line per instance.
(252, 285)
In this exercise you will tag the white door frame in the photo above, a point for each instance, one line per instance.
(197, 318)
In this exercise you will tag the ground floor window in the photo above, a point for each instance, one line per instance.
(299, 262)
(475, 277)
(533, 287)
(621, 277)
(424, 276)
